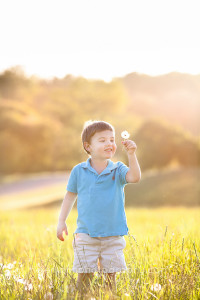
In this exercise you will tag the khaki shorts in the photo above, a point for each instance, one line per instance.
(98, 254)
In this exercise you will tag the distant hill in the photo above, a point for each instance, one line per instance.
(174, 97)
(167, 188)
(171, 188)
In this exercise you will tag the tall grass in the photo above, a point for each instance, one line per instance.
(162, 255)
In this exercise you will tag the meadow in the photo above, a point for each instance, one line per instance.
(162, 255)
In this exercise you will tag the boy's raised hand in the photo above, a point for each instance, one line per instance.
(60, 228)
(130, 146)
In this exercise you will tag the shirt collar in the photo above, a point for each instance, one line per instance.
(111, 166)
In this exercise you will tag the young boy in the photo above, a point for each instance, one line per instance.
(101, 223)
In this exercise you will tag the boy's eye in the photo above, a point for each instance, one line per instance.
(104, 141)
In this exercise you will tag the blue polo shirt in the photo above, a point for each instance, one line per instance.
(100, 201)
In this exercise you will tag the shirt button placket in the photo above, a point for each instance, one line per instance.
(97, 180)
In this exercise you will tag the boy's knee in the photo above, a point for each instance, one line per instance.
(84, 281)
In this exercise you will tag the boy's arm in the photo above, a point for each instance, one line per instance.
(66, 207)
(134, 173)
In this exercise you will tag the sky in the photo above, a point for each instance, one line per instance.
(100, 39)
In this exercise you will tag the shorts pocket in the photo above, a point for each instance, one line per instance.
(80, 239)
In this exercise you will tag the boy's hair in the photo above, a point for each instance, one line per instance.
(91, 127)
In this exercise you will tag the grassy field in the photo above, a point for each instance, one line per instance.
(162, 255)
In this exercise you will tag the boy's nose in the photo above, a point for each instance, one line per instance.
(109, 144)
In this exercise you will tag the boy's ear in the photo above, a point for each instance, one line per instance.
(86, 145)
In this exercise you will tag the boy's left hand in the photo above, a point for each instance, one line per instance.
(130, 146)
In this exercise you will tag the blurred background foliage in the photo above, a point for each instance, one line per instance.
(41, 120)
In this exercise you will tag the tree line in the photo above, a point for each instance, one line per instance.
(41, 123)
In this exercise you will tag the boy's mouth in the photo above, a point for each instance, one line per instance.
(108, 150)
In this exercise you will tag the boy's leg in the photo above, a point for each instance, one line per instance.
(84, 280)
(110, 281)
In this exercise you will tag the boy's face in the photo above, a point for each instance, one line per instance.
(102, 145)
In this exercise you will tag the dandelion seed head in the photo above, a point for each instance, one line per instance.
(125, 135)
(156, 287)
(20, 280)
(9, 266)
(7, 274)
(40, 276)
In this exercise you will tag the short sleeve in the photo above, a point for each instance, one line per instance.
(72, 181)
(122, 169)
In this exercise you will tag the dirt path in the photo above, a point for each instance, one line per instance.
(33, 182)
